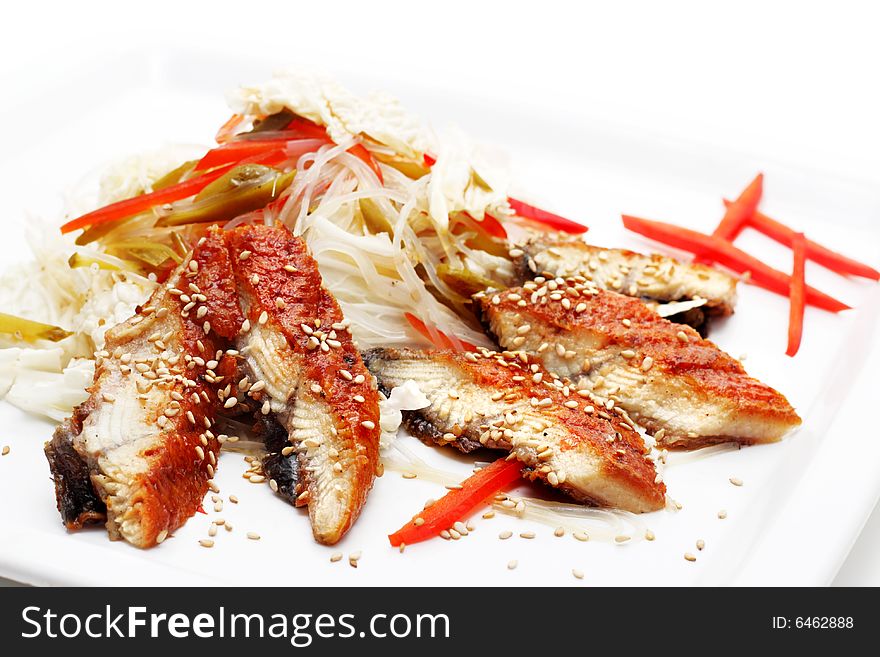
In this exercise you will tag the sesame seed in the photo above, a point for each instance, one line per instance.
(264, 317)
(736, 481)
(336, 556)
(682, 336)
(200, 452)
(212, 530)
(244, 255)
(505, 535)
(581, 536)
(649, 535)
(527, 535)
(701, 544)
(161, 536)
(255, 279)
(232, 401)
(360, 378)
(206, 542)
(559, 532)
(289, 268)
(579, 574)
(254, 536)
(280, 303)
(511, 565)
(689, 557)
(409, 475)
(488, 515)
(621, 539)
(233, 499)
(722, 514)
(367, 424)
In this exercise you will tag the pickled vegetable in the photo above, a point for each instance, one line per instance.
(465, 282)
(152, 253)
(174, 176)
(241, 190)
(408, 167)
(29, 330)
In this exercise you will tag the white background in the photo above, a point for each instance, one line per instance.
(793, 80)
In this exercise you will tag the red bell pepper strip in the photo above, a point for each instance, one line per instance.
(360, 151)
(237, 150)
(816, 252)
(488, 225)
(429, 160)
(796, 294)
(548, 219)
(739, 213)
(457, 504)
(726, 254)
(306, 129)
(436, 337)
(227, 130)
(144, 202)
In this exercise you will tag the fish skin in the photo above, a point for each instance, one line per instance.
(336, 455)
(690, 389)
(666, 279)
(594, 459)
(150, 479)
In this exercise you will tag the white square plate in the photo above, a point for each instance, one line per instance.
(804, 499)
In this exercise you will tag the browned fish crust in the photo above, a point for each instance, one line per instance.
(596, 328)
(151, 491)
(648, 276)
(602, 436)
(291, 298)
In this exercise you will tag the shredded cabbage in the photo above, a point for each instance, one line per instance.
(406, 397)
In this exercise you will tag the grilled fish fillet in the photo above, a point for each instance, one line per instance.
(139, 452)
(302, 370)
(501, 402)
(634, 274)
(681, 388)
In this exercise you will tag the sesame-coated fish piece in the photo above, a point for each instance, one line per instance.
(139, 452)
(653, 277)
(681, 388)
(307, 379)
(502, 401)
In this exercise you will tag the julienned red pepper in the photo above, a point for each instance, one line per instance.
(235, 151)
(144, 202)
(797, 294)
(457, 504)
(819, 254)
(726, 254)
(739, 213)
(437, 337)
(360, 151)
(545, 218)
(489, 225)
(227, 130)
